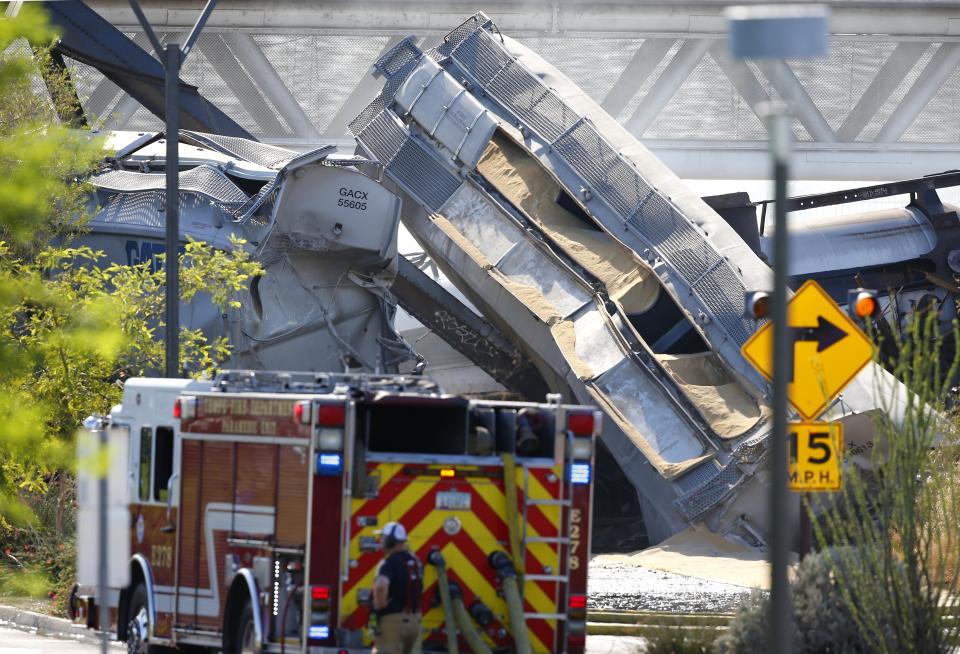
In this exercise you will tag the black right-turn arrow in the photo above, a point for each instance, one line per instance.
(824, 334)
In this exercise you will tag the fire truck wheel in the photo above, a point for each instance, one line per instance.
(138, 624)
(243, 640)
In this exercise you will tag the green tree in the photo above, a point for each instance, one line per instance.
(83, 328)
(41, 165)
(71, 325)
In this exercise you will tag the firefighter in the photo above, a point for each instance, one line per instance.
(396, 594)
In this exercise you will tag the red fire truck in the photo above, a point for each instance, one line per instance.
(256, 500)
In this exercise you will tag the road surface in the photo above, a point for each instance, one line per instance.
(19, 642)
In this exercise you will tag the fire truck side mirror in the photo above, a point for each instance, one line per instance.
(171, 486)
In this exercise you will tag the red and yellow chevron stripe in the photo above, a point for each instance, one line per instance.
(408, 494)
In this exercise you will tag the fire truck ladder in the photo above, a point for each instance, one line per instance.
(561, 576)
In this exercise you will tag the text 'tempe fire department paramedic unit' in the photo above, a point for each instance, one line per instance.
(255, 500)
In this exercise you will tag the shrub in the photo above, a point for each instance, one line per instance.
(903, 522)
(679, 639)
(38, 559)
(822, 621)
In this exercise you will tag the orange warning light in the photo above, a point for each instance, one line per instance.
(866, 306)
(757, 305)
(862, 303)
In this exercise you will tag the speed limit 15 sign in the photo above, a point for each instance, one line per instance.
(815, 456)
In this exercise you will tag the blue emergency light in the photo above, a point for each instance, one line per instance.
(579, 473)
(329, 465)
(318, 632)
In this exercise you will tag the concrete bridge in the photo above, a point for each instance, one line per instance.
(881, 106)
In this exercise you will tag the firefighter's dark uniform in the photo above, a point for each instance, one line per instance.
(399, 620)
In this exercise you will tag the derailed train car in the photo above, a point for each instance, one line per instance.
(325, 233)
(621, 285)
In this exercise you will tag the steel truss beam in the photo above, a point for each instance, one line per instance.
(671, 79)
(266, 77)
(914, 27)
(90, 39)
(783, 79)
(225, 62)
(900, 62)
(641, 66)
(934, 74)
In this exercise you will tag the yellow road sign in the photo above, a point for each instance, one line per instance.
(815, 456)
(828, 350)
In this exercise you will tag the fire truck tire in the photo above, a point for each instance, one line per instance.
(243, 638)
(138, 625)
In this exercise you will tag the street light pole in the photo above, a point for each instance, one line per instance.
(102, 535)
(172, 57)
(779, 32)
(171, 62)
(780, 629)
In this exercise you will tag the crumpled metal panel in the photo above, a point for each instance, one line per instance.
(268, 156)
(312, 309)
(204, 180)
(136, 209)
(718, 488)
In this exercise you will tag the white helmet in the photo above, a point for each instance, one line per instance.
(394, 531)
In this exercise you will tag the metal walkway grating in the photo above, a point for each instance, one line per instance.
(418, 172)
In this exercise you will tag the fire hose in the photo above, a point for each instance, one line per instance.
(464, 621)
(510, 577)
(510, 494)
(435, 558)
(454, 612)
(507, 576)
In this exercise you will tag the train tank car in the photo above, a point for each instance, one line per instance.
(619, 283)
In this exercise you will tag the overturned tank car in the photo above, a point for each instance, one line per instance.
(624, 288)
(324, 232)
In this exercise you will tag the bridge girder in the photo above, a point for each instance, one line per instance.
(879, 107)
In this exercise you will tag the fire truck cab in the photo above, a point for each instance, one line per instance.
(257, 500)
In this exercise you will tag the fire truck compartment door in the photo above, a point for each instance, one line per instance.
(240, 497)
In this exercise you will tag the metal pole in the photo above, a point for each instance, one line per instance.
(172, 59)
(806, 527)
(104, 621)
(780, 623)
